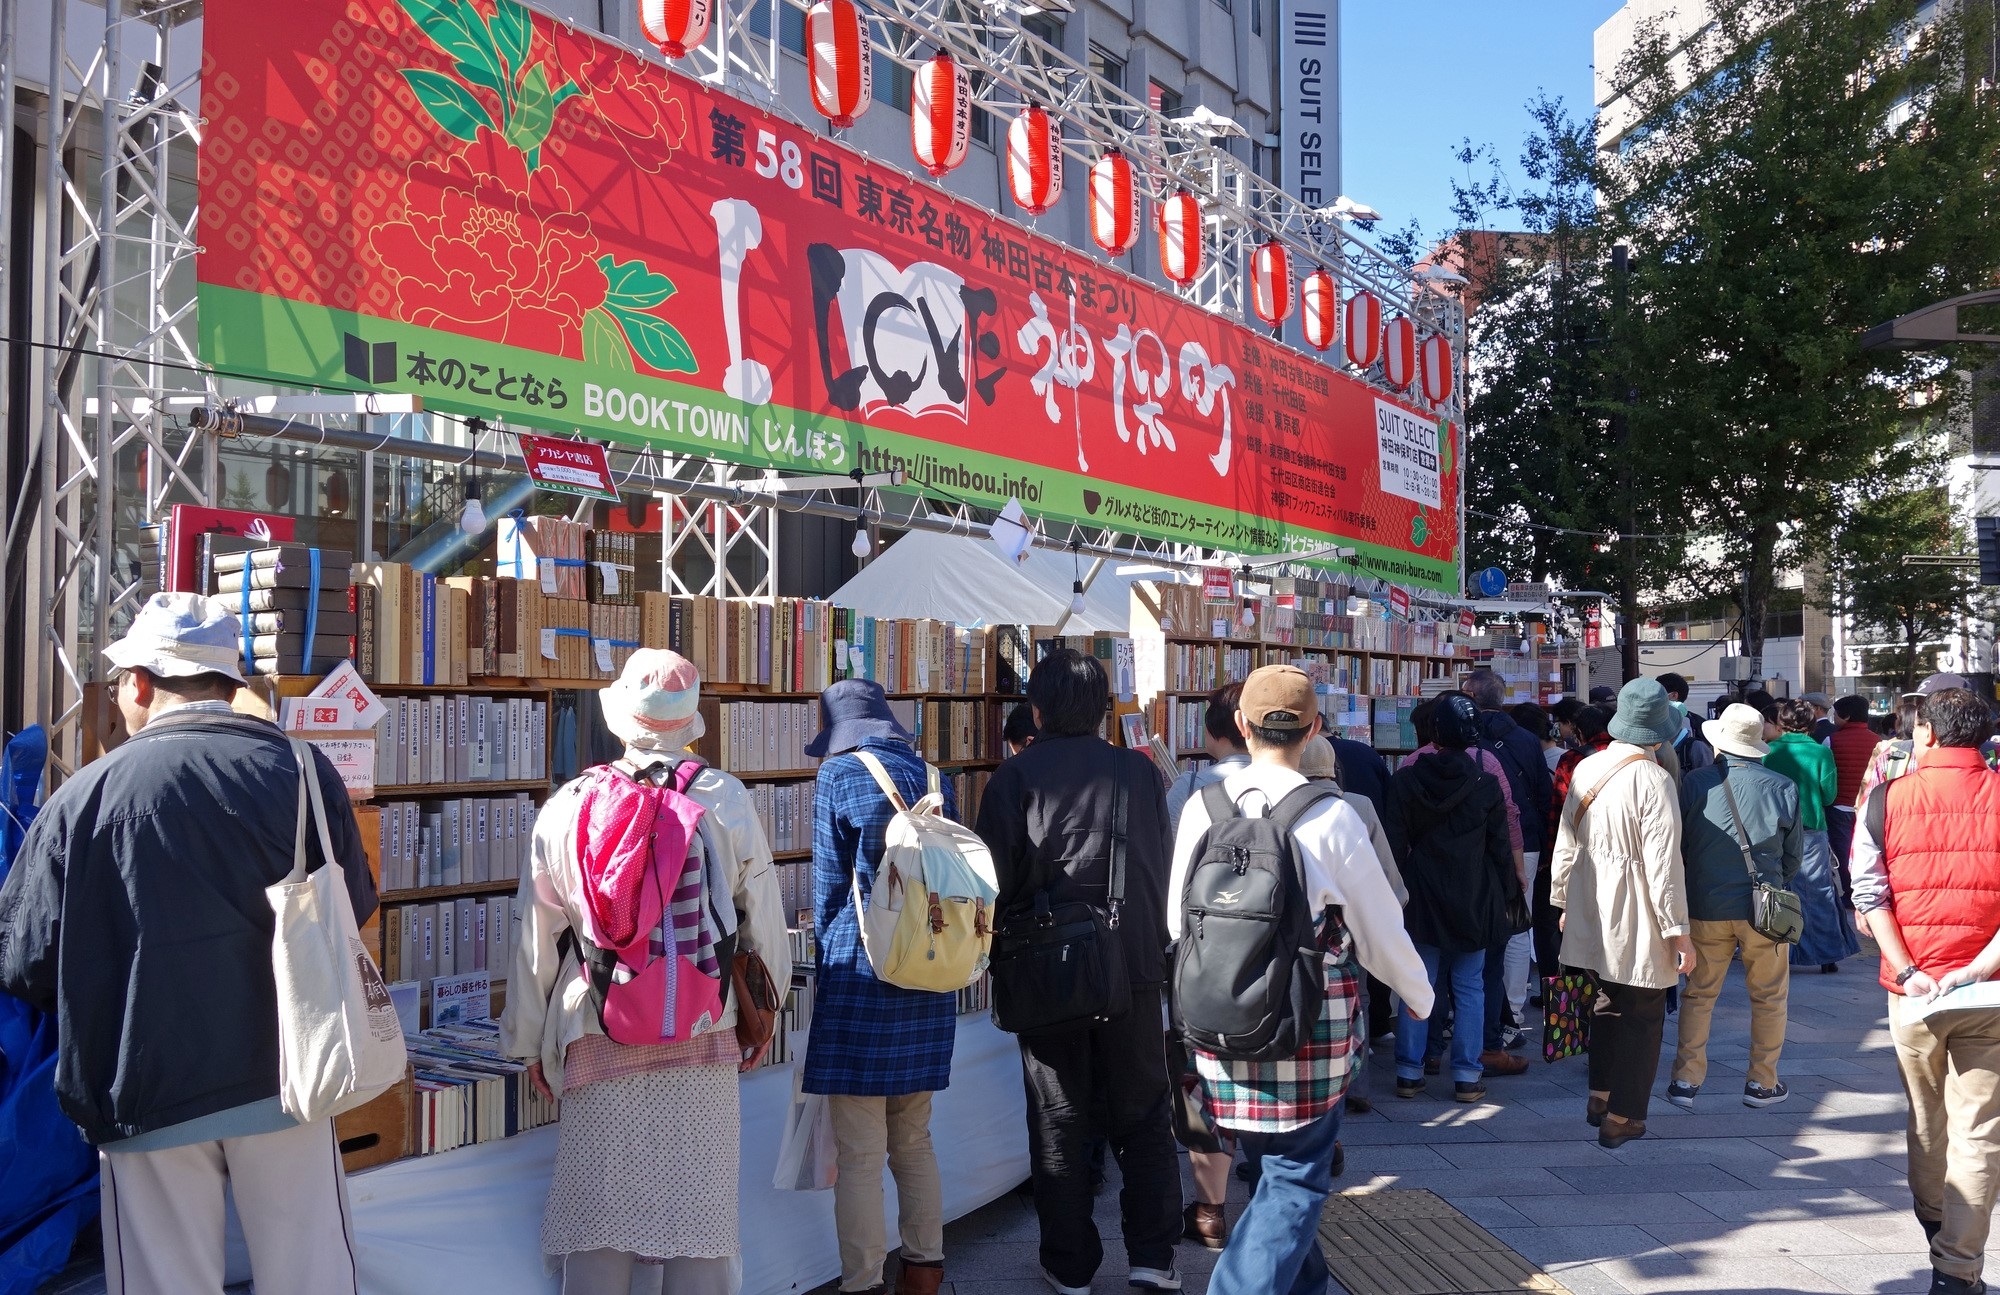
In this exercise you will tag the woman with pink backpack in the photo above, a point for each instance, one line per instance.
(650, 883)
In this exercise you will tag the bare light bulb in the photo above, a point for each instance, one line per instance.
(1249, 617)
(861, 548)
(473, 520)
(1076, 598)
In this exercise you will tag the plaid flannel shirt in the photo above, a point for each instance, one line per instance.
(867, 1038)
(1278, 1096)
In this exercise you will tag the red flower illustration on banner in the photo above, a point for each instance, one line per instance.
(489, 248)
(629, 103)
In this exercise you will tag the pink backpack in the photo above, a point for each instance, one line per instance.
(655, 950)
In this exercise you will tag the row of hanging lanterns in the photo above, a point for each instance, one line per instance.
(842, 63)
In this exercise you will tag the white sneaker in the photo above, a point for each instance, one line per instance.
(1061, 1289)
(1154, 1279)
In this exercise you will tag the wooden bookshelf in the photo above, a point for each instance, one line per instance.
(427, 894)
(416, 790)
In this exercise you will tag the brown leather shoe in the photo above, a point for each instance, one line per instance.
(1501, 1062)
(1206, 1224)
(1594, 1109)
(920, 1278)
(1616, 1131)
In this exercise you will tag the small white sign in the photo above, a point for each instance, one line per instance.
(609, 570)
(345, 681)
(1408, 456)
(549, 643)
(548, 569)
(603, 650)
(455, 999)
(353, 757)
(310, 714)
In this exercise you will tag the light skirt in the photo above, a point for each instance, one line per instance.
(647, 1164)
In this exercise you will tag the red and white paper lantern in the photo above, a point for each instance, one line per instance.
(1114, 204)
(843, 60)
(1034, 161)
(1271, 282)
(1180, 237)
(940, 113)
(1399, 352)
(1435, 357)
(676, 26)
(1363, 328)
(1319, 308)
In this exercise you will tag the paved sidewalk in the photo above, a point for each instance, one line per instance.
(1807, 1196)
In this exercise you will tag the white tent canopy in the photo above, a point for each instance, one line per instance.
(966, 579)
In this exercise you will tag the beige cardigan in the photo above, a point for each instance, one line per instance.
(1617, 875)
(548, 1003)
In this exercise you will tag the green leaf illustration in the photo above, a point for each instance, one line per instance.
(567, 90)
(513, 32)
(655, 341)
(632, 285)
(534, 110)
(1444, 445)
(457, 29)
(603, 342)
(449, 102)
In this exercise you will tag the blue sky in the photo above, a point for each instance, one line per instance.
(1419, 76)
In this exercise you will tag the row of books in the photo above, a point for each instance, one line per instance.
(410, 627)
(452, 937)
(786, 811)
(758, 736)
(613, 570)
(458, 842)
(467, 1091)
(1192, 667)
(548, 551)
(462, 738)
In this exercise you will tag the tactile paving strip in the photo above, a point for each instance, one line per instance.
(1414, 1243)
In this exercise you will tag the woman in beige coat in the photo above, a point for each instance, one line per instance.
(1617, 878)
(646, 1165)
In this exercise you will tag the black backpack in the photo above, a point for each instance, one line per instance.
(1249, 972)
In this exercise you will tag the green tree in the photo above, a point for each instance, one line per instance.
(1801, 171)
(1900, 512)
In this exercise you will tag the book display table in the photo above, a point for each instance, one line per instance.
(471, 1220)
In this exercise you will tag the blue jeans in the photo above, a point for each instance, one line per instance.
(1468, 986)
(1274, 1247)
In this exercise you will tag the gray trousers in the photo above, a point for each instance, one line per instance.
(614, 1272)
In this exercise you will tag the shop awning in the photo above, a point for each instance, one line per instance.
(965, 579)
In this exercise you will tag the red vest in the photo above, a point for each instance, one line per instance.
(1941, 849)
(1852, 745)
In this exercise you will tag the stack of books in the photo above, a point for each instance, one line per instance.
(467, 1092)
(294, 605)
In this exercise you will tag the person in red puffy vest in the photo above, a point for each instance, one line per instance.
(1926, 869)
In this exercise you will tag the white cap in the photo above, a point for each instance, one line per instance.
(179, 635)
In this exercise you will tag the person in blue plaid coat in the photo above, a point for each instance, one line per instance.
(877, 1051)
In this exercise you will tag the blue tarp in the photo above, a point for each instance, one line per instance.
(48, 1173)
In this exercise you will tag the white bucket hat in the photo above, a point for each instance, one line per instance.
(179, 635)
(654, 700)
(1739, 730)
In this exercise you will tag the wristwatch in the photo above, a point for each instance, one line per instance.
(1907, 972)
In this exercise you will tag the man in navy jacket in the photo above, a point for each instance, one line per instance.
(136, 913)
(1528, 782)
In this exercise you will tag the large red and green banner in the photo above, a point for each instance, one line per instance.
(471, 202)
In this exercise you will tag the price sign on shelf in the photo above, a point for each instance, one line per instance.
(1399, 601)
(569, 467)
(1465, 622)
(1218, 585)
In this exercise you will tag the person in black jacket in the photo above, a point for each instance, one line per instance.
(136, 913)
(1047, 816)
(1448, 826)
(1529, 783)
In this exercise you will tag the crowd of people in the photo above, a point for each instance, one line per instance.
(1618, 843)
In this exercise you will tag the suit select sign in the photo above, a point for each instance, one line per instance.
(515, 219)
(569, 467)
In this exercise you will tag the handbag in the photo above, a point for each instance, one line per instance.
(757, 1000)
(339, 1040)
(1058, 967)
(1566, 1007)
(1775, 912)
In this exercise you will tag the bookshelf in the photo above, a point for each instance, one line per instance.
(1370, 673)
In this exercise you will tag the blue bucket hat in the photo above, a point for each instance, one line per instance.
(850, 712)
(1645, 717)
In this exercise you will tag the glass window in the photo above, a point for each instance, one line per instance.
(1106, 67)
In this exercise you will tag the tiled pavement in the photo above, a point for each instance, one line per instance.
(1807, 1196)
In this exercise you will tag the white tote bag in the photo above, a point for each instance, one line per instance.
(807, 1158)
(339, 1042)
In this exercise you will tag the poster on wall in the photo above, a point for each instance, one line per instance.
(469, 201)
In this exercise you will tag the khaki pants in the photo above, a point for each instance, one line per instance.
(163, 1214)
(867, 1131)
(1951, 1072)
(1767, 974)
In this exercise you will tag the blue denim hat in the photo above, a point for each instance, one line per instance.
(850, 712)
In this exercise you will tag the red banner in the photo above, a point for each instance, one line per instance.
(467, 201)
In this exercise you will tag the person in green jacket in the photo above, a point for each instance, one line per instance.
(1809, 764)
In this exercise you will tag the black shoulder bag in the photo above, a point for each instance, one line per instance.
(1060, 967)
(1774, 911)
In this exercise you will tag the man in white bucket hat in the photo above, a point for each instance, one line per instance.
(1731, 808)
(136, 913)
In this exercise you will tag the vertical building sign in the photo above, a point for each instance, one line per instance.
(1309, 109)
